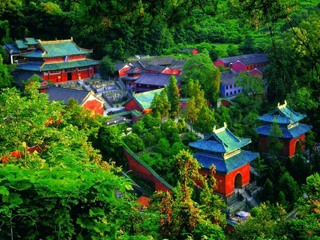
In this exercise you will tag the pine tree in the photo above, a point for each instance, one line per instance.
(173, 97)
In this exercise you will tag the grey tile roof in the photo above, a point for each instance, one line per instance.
(156, 79)
(228, 78)
(65, 94)
(247, 59)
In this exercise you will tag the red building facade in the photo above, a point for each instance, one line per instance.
(232, 164)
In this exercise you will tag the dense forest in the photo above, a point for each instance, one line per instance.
(73, 186)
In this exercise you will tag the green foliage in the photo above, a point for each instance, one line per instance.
(200, 67)
(160, 104)
(63, 189)
(134, 141)
(180, 215)
(266, 222)
(174, 97)
(251, 84)
(5, 75)
(107, 67)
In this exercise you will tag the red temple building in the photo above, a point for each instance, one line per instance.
(243, 63)
(232, 164)
(57, 61)
(293, 132)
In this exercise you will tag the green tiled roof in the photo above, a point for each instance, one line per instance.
(20, 44)
(145, 98)
(66, 65)
(31, 41)
(221, 140)
(282, 114)
(62, 48)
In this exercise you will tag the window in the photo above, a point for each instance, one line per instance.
(227, 87)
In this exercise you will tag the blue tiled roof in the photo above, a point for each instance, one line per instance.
(12, 47)
(35, 54)
(220, 141)
(282, 114)
(228, 165)
(30, 66)
(290, 133)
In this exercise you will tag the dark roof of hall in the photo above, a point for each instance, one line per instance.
(65, 94)
(228, 78)
(246, 59)
(155, 79)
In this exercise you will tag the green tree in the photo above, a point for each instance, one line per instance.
(56, 184)
(5, 76)
(205, 121)
(134, 142)
(192, 113)
(289, 187)
(174, 97)
(160, 104)
(107, 67)
(251, 84)
(266, 222)
(274, 143)
(180, 215)
(200, 67)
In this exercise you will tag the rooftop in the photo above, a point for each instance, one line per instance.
(228, 78)
(287, 132)
(282, 114)
(221, 140)
(228, 165)
(145, 98)
(155, 79)
(65, 94)
(246, 59)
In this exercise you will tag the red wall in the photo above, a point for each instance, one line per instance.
(256, 72)
(95, 106)
(63, 76)
(123, 71)
(230, 178)
(289, 147)
(132, 105)
(225, 103)
(219, 63)
(194, 51)
(51, 60)
(143, 172)
(238, 67)
(226, 183)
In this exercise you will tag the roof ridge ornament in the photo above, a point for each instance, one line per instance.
(215, 130)
(283, 105)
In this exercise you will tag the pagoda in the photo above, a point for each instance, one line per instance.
(232, 164)
(293, 132)
(56, 61)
